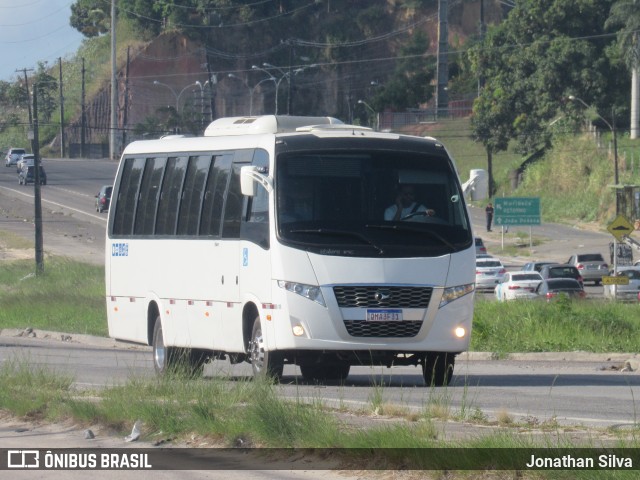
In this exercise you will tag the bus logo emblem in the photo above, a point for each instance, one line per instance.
(381, 296)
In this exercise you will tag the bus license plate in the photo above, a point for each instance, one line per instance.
(387, 315)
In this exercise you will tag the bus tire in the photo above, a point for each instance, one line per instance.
(437, 368)
(164, 358)
(263, 362)
(326, 372)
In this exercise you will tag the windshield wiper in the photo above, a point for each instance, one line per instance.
(346, 233)
(410, 228)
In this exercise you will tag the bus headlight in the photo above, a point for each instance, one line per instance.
(307, 291)
(453, 293)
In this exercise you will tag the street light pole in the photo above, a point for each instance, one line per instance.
(612, 127)
(362, 102)
(176, 95)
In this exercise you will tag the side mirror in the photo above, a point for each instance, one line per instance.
(248, 185)
(249, 178)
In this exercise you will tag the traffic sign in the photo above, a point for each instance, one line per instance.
(620, 227)
(621, 280)
(517, 211)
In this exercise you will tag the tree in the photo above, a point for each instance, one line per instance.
(626, 14)
(410, 83)
(47, 92)
(543, 52)
(90, 17)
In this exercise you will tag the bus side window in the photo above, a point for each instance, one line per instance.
(127, 196)
(149, 196)
(213, 198)
(192, 195)
(170, 196)
(233, 206)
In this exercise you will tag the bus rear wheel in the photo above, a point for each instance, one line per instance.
(263, 362)
(437, 368)
(173, 360)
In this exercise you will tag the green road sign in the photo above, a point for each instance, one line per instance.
(517, 211)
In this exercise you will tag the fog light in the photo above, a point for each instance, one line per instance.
(460, 332)
(298, 331)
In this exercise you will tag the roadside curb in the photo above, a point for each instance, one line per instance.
(105, 342)
(578, 356)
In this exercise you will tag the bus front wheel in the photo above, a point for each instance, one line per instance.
(437, 368)
(263, 362)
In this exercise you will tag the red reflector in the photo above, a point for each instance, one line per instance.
(514, 287)
(209, 303)
(132, 299)
(189, 302)
(172, 302)
(580, 266)
(113, 299)
(268, 306)
(229, 304)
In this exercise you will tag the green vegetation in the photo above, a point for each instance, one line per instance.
(562, 326)
(68, 297)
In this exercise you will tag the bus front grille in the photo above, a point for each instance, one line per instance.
(382, 297)
(360, 328)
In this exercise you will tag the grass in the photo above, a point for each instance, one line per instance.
(231, 412)
(68, 297)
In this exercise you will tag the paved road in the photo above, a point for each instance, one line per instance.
(570, 388)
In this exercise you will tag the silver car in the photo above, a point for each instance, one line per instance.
(489, 272)
(13, 155)
(590, 265)
(627, 293)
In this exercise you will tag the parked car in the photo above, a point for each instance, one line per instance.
(480, 248)
(590, 265)
(103, 198)
(489, 272)
(535, 266)
(13, 155)
(27, 175)
(627, 293)
(25, 160)
(553, 288)
(518, 285)
(559, 270)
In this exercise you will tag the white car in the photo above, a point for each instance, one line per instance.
(628, 293)
(489, 272)
(518, 285)
(26, 160)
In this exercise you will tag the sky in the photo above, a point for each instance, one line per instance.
(33, 31)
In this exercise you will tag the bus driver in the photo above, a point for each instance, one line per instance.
(406, 208)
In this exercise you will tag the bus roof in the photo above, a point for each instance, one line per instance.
(264, 124)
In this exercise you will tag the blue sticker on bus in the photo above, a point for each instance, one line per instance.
(245, 257)
(119, 249)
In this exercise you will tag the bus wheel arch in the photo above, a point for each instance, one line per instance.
(153, 316)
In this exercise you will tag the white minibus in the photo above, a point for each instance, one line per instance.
(282, 240)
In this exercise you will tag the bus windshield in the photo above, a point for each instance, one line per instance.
(382, 203)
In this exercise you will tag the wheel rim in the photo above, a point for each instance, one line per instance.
(159, 351)
(257, 351)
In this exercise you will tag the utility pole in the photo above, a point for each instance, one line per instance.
(114, 86)
(26, 87)
(62, 151)
(442, 100)
(126, 101)
(35, 148)
(83, 118)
